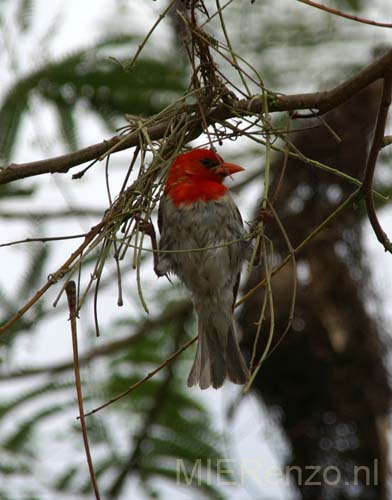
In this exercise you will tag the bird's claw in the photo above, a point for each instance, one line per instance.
(264, 215)
(145, 226)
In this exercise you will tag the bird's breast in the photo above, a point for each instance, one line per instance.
(206, 236)
(189, 192)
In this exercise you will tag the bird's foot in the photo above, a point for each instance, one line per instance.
(264, 215)
(147, 227)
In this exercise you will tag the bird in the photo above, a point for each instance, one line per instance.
(198, 218)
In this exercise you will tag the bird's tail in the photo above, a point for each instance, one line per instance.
(218, 354)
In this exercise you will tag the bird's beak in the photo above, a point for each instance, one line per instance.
(226, 169)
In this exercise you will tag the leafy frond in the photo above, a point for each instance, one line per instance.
(11, 112)
(24, 14)
(89, 76)
(33, 277)
(200, 484)
(35, 394)
(21, 438)
(67, 124)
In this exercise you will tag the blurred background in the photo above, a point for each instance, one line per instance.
(320, 403)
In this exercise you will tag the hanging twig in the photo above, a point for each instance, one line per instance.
(71, 296)
(377, 144)
(339, 13)
(341, 208)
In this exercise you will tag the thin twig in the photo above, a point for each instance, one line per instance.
(51, 214)
(53, 278)
(144, 379)
(307, 161)
(377, 144)
(43, 239)
(71, 296)
(217, 12)
(270, 301)
(228, 42)
(341, 208)
(282, 173)
(131, 63)
(294, 294)
(339, 13)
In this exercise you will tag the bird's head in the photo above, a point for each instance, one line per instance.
(198, 175)
(202, 163)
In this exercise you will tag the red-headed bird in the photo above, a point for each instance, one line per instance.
(196, 212)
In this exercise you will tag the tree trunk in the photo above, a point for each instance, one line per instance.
(328, 375)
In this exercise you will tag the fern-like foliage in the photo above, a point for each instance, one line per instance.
(166, 434)
(32, 278)
(90, 78)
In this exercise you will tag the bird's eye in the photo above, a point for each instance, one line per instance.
(209, 163)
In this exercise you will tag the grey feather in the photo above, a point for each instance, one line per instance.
(211, 276)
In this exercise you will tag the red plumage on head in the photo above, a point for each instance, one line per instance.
(198, 175)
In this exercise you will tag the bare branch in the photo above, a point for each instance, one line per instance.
(339, 13)
(378, 142)
(43, 239)
(71, 296)
(52, 279)
(52, 214)
(61, 164)
(319, 102)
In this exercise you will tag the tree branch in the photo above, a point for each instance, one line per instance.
(61, 164)
(339, 13)
(53, 278)
(52, 214)
(377, 144)
(320, 102)
(71, 296)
